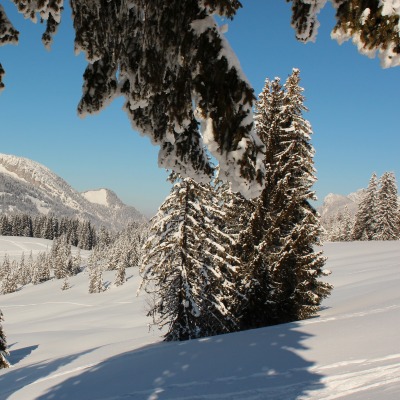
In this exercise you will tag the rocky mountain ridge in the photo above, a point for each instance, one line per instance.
(336, 203)
(29, 187)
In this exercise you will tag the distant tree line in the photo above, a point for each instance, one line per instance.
(58, 262)
(377, 217)
(111, 252)
(116, 253)
(78, 233)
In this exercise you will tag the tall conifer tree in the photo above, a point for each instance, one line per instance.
(365, 219)
(280, 269)
(296, 267)
(186, 267)
(387, 219)
(252, 248)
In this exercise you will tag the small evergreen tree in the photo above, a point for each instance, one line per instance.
(9, 277)
(30, 264)
(120, 276)
(77, 262)
(104, 238)
(347, 225)
(57, 257)
(341, 227)
(41, 270)
(24, 273)
(62, 258)
(96, 284)
(3, 346)
(365, 219)
(65, 285)
(387, 219)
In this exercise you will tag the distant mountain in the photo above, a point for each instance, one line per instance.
(335, 203)
(112, 205)
(29, 187)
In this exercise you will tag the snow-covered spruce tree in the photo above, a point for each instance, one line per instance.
(281, 271)
(95, 267)
(86, 236)
(186, 267)
(120, 275)
(236, 208)
(5, 229)
(398, 218)
(58, 258)
(387, 218)
(62, 258)
(65, 285)
(77, 262)
(365, 219)
(171, 62)
(127, 246)
(297, 267)
(9, 277)
(340, 227)
(174, 69)
(30, 264)
(3, 346)
(41, 269)
(373, 25)
(254, 270)
(104, 238)
(24, 272)
(347, 225)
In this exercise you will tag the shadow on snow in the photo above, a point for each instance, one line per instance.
(18, 355)
(13, 379)
(259, 364)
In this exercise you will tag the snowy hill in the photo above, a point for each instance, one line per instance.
(72, 345)
(29, 187)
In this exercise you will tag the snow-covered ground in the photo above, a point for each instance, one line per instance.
(15, 246)
(72, 345)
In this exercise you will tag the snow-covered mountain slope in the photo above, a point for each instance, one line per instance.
(72, 345)
(111, 205)
(335, 203)
(103, 197)
(27, 186)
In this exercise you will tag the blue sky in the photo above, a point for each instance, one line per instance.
(353, 102)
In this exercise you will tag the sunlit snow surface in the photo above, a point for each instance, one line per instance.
(72, 345)
(97, 196)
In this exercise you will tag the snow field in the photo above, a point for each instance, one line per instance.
(74, 345)
(14, 246)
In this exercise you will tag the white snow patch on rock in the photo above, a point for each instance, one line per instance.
(97, 196)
